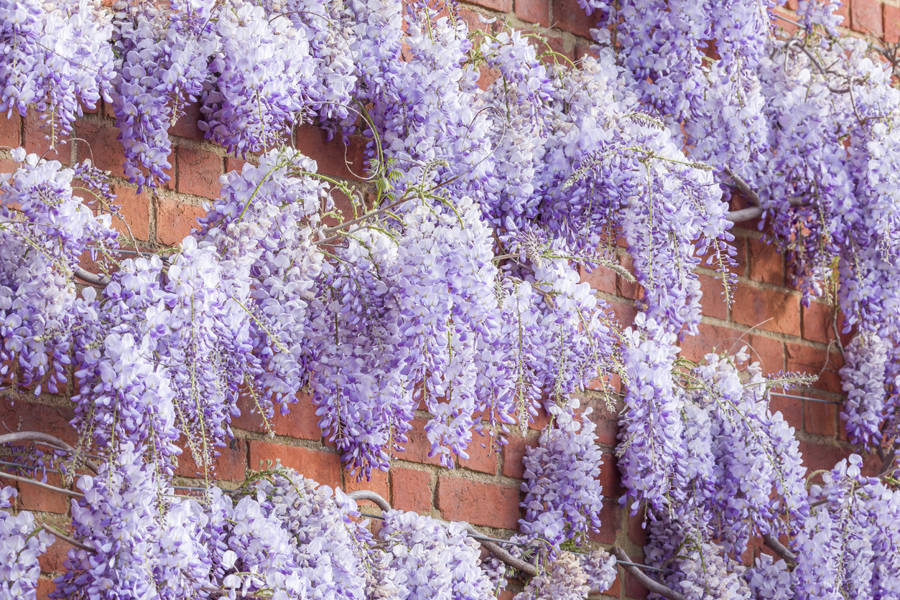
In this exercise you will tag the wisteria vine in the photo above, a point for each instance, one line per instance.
(448, 280)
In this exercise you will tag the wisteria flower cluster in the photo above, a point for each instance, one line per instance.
(56, 59)
(21, 543)
(563, 496)
(453, 286)
(44, 227)
(568, 579)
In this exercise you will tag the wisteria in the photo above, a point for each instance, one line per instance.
(163, 66)
(21, 543)
(45, 228)
(57, 60)
(561, 481)
(261, 63)
(449, 282)
(434, 560)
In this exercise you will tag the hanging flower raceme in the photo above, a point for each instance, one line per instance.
(847, 547)
(261, 65)
(163, 67)
(515, 104)
(743, 475)
(22, 541)
(557, 332)
(264, 229)
(651, 433)
(44, 229)
(423, 295)
(433, 559)
(567, 578)
(563, 495)
(125, 394)
(329, 29)
(426, 109)
(329, 544)
(119, 518)
(56, 60)
(698, 570)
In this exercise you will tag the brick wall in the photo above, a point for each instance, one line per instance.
(484, 489)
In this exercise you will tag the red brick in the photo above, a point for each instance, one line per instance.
(482, 454)
(714, 304)
(100, 143)
(820, 418)
(768, 309)
(583, 49)
(613, 590)
(790, 408)
(135, 210)
(21, 415)
(539, 421)
(475, 21)
(33, 497)
(606, 420)
(764, 350)
(498, 5)
(331, 156)
(820, 456)
(418, 446)
(609, 476)
(533, 11)
(186, 125)
(818, 319)
(625, 288)
(568, 15)
(624, 312)
(324, 467)
(486, 76)
(815, 361)
(53, 559)
(633, 588)
(609, 523)
(766, 263)
(249, 419)
(785, 27)
(411, 490)
(37, 142)
(892, 24)
(637, 533)
(601, 279)
(865, 16)
(843, 10)
(234, 164)
(740, 257)
(552, 51)
(10, 130)
(710, 338)
(198, 172)
(45, 587)
(174, 220)
(513, 452)
(300, 421)
(229, 465)
(377, 482)
(488, 504)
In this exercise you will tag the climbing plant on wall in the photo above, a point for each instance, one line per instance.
(450, 280)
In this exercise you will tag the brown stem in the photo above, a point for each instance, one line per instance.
(644, 579)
